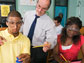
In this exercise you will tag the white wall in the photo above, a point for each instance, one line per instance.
(76, 9)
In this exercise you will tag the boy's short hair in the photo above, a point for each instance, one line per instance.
(58, 18)
(14, 14)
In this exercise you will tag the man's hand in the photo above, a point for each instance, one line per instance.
(46, 46)
(1, 40)
(25, 57)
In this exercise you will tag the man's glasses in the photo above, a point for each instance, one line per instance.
(12, 23)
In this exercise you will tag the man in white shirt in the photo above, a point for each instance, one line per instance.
(57, 21)
(44, 33)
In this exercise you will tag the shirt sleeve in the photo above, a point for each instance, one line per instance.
(51, 36)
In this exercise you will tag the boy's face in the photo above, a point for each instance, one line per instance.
(56, 23)
(14, 24)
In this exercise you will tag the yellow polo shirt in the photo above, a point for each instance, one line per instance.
(13, 47)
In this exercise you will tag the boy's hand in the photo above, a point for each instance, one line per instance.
(25, 58)
(1, 40)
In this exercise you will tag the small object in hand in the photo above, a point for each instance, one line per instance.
(17, 61)
(38, 46)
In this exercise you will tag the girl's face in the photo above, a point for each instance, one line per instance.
(72, 30)
(56, 23)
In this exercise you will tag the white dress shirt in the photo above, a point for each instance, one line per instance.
(44, 30)
(58, 29)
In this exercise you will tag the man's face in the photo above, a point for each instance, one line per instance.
(42, 6)
(14, 24)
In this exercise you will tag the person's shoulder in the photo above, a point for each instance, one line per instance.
(81, 36)
(46, 17)
(3, 31)
(24, 37)
(82, 39)
(29, 12)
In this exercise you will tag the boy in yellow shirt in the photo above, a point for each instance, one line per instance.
(12, 43)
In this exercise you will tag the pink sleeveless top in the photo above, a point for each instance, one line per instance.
(72, 53)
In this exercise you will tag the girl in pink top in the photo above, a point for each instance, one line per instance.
(69, 42)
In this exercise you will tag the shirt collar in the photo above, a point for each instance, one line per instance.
(8, 34)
